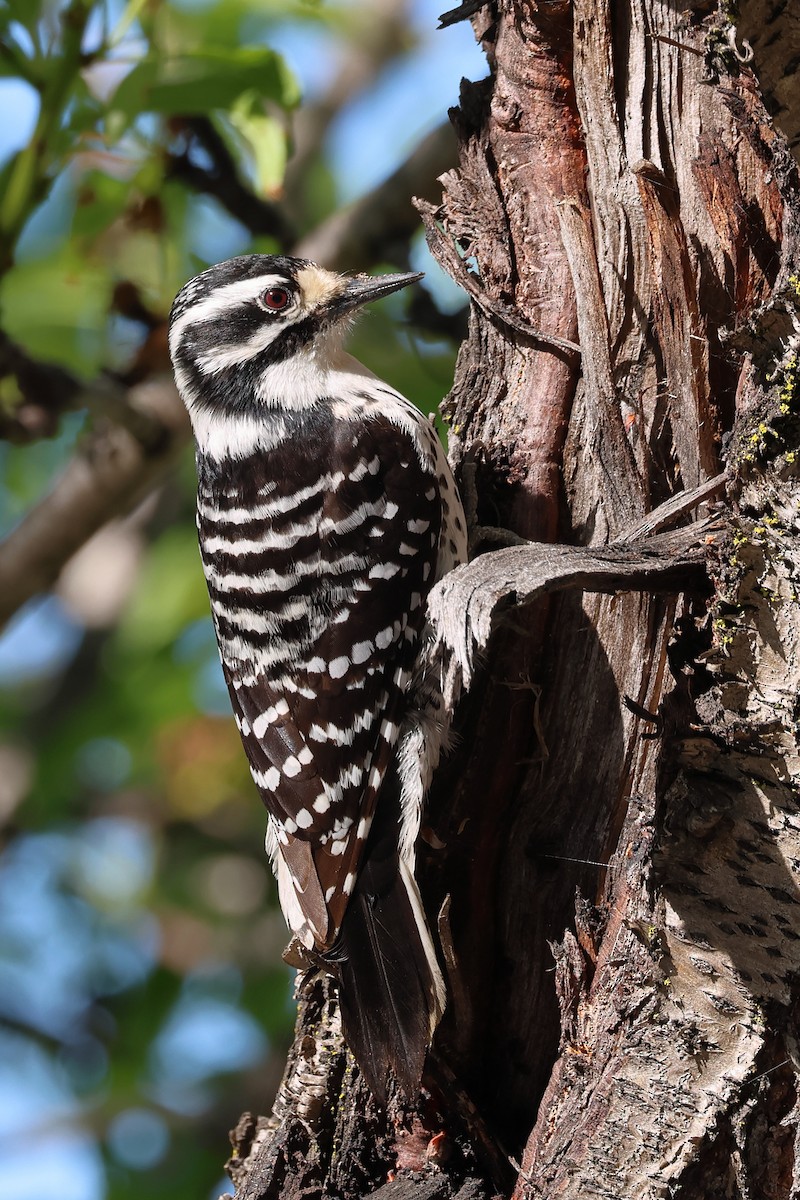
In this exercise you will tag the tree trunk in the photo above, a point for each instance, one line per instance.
(613, 847)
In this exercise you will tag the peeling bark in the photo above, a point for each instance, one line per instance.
(613, 846)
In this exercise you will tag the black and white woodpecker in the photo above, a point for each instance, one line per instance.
(326, 511)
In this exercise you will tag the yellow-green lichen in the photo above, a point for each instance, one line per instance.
(776, 433)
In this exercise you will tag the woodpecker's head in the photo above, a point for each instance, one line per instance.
(263, 330)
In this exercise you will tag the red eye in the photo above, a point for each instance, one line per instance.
(275, 299)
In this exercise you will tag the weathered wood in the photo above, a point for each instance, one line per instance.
(687, 248)
(470, 602)
(613, 845)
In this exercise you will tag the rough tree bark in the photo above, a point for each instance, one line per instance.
(613, 847)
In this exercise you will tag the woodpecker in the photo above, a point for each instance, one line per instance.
(326, 511)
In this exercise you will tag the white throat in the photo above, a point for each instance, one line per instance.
(317, 373)
(298, 383)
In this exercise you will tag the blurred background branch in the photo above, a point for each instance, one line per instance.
(375, 39)
(221, 179)
(380, 225)
(113, 469)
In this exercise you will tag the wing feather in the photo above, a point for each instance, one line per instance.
(319, 698)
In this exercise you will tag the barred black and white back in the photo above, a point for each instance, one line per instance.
(326, 512)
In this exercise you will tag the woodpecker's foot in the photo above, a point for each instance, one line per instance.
(296, 955)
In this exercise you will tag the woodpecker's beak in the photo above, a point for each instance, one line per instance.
(364, 288)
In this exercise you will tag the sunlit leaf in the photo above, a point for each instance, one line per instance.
(57, 307)
(101, 199)
(233, 22)
(200, 82)
(262, 140)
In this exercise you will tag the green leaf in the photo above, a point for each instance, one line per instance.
(200, 82)
(220, 23)
(101, 200)
(13, 64)
(27, 12)
(263, 139)
(6, 172)
(17, 193)
(57, 308)
(85, 110)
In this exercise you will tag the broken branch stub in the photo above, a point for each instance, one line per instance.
(469, 603)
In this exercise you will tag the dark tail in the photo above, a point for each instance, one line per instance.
(391, 990)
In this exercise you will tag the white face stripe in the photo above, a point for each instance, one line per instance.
(223, 357)
(220, 301)
(320, 371)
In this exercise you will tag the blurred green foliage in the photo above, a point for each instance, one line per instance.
(143, 1002)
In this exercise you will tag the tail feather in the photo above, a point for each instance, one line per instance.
(391, 990)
